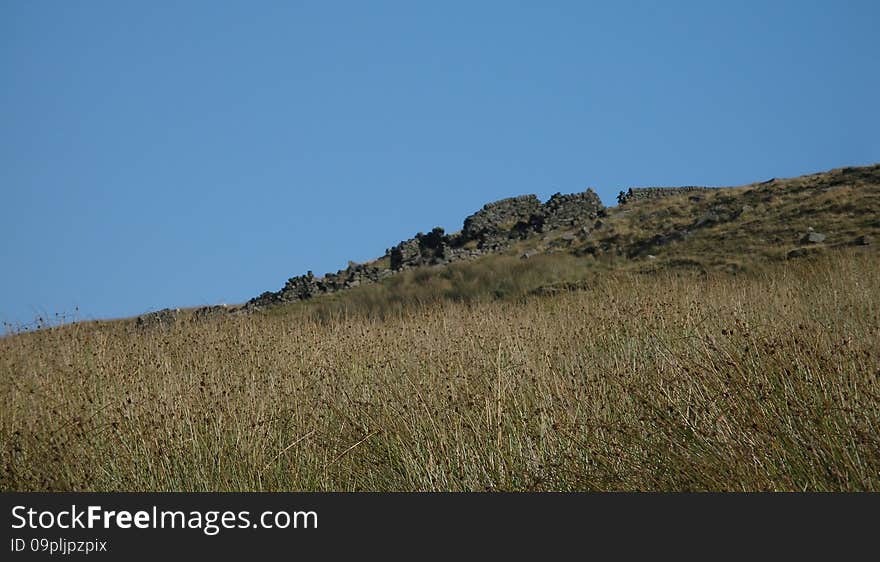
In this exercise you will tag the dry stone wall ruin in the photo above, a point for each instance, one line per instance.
(500, 216)
(490, 230)
(642, 193)
(562, 219)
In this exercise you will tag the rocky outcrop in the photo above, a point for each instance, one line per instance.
(159, 318)
(304, 287)
(562, 211)
(407, 252)
(500, 216)
(576, 223)
(490, 230)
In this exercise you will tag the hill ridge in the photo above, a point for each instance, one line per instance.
(689, 226)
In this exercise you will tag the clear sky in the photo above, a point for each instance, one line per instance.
(161, 154)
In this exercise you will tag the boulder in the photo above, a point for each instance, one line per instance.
(813, 237)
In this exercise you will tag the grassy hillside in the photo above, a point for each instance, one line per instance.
(681, 379)
(694, 342)
(746, 225)
(736, 230)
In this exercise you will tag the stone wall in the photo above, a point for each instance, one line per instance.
(490, 230)
(642, 193)
(562, 211)
(500, 216)
(304, 287)
(425, 249)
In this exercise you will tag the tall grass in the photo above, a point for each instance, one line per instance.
(764, 381)
(489, 278)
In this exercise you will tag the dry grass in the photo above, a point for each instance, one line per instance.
(765, 381)
(749, 225)
(488, 278)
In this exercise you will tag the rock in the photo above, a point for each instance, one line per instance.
(404, 253)
(160, 318)
(566, 210)
(493, 217)
(210, 311)
(492, 229)
(796, 253)
(812, 237)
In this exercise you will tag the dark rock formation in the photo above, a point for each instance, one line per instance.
(561, 211)
(433, 248)
(576, 223)
(500, 216)
(160, 318)
(490, 230)
(406, 252)
(211, 311)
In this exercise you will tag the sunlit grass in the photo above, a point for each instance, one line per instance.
(768, 380)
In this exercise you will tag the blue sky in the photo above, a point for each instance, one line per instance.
(159, 154)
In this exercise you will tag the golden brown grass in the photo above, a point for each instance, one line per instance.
(753, 224)
(763, 381)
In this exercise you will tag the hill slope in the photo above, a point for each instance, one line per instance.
(520, 251)
(701, 340)
(758, 381)
(694, 226)
(568, 240)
